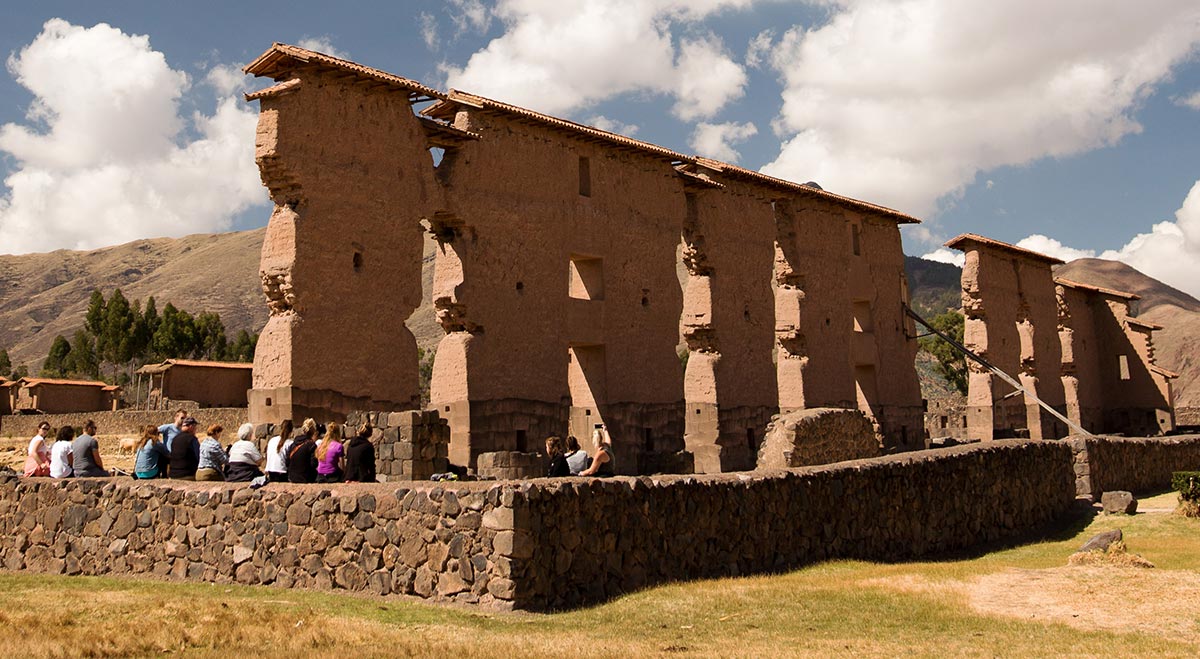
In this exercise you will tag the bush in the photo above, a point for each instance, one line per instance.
(1187, 484)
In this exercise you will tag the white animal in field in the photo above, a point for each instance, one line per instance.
(128, 444)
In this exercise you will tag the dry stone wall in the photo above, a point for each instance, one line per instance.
(817, 436)
(1136, 464)
(541, 544)
(119, 422)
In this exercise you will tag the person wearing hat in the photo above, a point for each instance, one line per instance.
(185, 451)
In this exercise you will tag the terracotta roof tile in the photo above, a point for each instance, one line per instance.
(29, 382)
(166, 365)
(958, 241)
(1143, 323)
(281, 57)
(1096, 289)
(278, 60)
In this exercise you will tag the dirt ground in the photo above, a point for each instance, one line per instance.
(13, 451)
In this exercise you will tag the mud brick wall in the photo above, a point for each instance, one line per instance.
(1135, 464)
(121, 421)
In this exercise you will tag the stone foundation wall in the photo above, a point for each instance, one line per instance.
(815, 436)
(510, 465)
(542, 544)
(121, 421)
(1136, 464)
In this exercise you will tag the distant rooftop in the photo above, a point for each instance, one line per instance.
(964, 241)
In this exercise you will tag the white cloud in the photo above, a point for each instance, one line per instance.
(612, 125)
(903, 102)
(716, 140)
(429, 30)
(946, 255)
(109, 166)
(1051, 247)
(227, 79)
(470, 15)
(1192, 101)
(323, 44)
(759, 50)
(1170, 252)
(559, 56)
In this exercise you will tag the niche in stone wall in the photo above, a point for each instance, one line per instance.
(587, 278)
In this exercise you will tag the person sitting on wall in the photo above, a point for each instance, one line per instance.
(277, 451)
(577, 458)
(558, 462)
(169, 430)
(185, 451)
(60, 453)
(85, 460)
(302, 461)
(244, 457)
(211, 466)
(152, 457)
(331, 456)
(360, 456)
(37, 463)
(604, 462)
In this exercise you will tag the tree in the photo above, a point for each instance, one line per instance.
(5, 364)
(210, 336)
(56, 360)
(242, 348)
(82, 360)
(94, 320)
(951, 364)
(176, 334)
(114, 342)
(145, 323)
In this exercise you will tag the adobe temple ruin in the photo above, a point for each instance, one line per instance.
(560, 248)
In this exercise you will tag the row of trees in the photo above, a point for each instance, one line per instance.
(123, 335)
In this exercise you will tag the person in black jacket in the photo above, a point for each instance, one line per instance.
(360, 456)
(558, 461)
(185, 451)
(302, 459)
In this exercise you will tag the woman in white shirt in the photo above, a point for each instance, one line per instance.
(244, 457)
(277, 450)
(61, 454)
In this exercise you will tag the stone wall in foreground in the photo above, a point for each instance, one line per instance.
(541, 544)
(127, 422)
(1135, 464)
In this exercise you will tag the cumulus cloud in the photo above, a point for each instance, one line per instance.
(759, 50)
(102, 159)
(946, 255)
(904, 101)
(559, 56)
(227, 79)
(716, 140)
(1051, 247)
(1192, 101)
(612, 125)
(323, 44)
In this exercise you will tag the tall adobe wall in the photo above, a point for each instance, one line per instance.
(343, 246)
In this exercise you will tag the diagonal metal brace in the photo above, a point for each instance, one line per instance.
(995, 370)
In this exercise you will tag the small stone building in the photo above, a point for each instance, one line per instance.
(205, 383)
(1076, 347)
(560, 252)
(49, 396)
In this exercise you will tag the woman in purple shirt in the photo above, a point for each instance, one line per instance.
(330, 455)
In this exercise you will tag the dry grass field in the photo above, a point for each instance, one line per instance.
(1015, 601)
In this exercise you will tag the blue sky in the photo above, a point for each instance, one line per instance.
(1073, 128)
